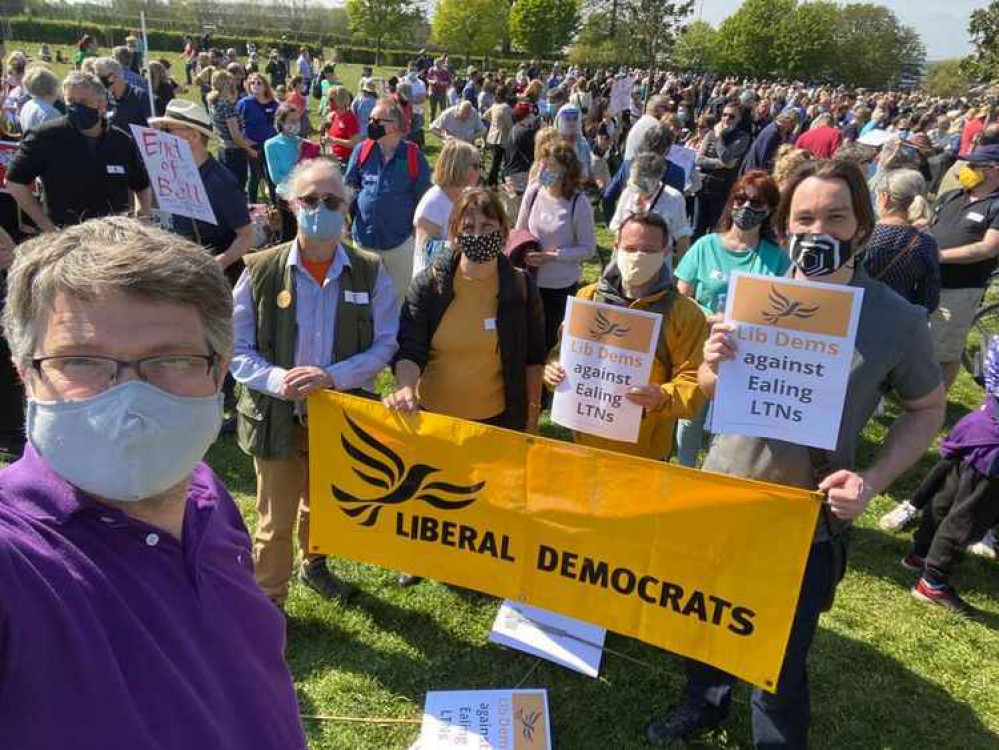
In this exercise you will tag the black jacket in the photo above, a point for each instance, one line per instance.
(520, 326)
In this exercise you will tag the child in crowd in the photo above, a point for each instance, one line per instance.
(961, 495)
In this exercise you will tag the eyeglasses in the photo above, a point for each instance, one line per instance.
(332, 202)
(81, 377)
(742, 199)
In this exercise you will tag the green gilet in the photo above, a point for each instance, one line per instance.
(265, 424)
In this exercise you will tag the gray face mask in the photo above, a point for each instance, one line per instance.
(129, 443)
(747, 217)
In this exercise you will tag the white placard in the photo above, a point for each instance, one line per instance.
(606, 350)
(685, 158)
(485, 720)
(572, 643)
(794, 348)
(173, 175)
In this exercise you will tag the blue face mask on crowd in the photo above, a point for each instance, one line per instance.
(81, 116)
(320, 222)
(548, 177)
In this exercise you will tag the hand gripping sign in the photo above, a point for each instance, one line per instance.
(706, 565)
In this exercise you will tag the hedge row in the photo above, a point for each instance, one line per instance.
(69, 32)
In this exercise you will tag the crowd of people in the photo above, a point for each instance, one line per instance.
(118, 336)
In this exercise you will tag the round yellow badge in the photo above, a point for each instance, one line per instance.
(284, 299)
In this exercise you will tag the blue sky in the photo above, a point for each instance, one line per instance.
(943, 24)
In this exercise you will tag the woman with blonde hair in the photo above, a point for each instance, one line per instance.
(343, 131)
(235, 150)
(458, 167)
(788, 159)
(556, 211)
(161, 86)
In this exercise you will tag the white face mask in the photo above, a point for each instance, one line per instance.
(638, 268)
(292, 128)
(129, 443)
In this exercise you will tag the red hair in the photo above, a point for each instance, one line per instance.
(765, 188)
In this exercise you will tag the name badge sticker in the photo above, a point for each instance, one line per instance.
(976, 217)
(116, 169)
(489, 324)
(356, 298)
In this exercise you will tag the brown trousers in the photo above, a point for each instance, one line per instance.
(282, 496)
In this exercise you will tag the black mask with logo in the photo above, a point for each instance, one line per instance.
(819, 254)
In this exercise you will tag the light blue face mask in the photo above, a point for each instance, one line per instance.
(131, 442)
(548, 177)
(320, 222)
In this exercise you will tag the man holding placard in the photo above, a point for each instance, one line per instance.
(825, 212)
(622, 380)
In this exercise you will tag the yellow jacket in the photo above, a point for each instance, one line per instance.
(683, 332)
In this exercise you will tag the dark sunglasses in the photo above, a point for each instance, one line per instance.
(742, 199)
(332, 202)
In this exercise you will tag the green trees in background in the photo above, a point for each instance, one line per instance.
(543, 27)
(470, 27)
(383, 20)
(983, 63)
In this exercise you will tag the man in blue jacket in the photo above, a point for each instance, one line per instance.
(658, 140)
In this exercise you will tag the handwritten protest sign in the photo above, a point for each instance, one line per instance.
(486, 720)
(794, 344)
(606, 350)
(7, 153)
(173, 174)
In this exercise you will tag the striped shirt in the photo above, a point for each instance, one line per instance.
(222, 110)
(916, 276)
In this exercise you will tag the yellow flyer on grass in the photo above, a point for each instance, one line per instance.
(794, 347)
(706, 565)
(606, 350)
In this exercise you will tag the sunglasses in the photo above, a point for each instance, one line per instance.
(332, 202)
(742, 199)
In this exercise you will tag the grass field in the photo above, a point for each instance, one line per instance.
(887, 672)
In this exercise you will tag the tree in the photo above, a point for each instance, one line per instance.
(543, 27)
(749, 37)
(476, 27)
(696, 47)
(630, 31)
(805, 44)
(380, 20)
(983, 28)
(946, 78)
(653, 25)
(875, 48)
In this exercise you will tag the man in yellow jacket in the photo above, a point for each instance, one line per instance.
(639, 278)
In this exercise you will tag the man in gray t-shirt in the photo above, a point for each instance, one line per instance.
(825, 212)
(461, 121)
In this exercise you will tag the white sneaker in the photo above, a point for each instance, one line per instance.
(987, 546)
(896, 520)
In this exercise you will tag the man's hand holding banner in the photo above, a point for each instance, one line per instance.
(705, 565)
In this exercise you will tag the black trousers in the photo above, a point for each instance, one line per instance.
(962, 505)
(496, 153)
(553, 301)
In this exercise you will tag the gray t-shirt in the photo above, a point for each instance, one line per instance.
(893, 352)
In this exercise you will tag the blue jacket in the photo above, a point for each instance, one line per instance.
(385, 196)
(764, 149)
(673, 176)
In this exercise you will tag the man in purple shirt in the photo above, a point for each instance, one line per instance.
(129, 617)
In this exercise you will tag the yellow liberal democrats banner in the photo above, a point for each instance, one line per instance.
(701, 564)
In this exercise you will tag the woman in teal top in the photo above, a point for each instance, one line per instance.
(282, 153)
(745, 241)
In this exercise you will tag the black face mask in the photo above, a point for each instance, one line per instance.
(819, 254)
(82, 117)
(376, 130)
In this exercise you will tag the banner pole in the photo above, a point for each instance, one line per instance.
(149, 75)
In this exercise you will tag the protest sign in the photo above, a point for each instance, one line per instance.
(606, 350)
(7, 153)
(173, 174)
(563, 640)
(706, 565)
(684, 157)
(486, 720)
(794, 344)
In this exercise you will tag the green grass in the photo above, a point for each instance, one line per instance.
(886, 671)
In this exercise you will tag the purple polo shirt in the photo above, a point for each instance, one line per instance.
(114, 635)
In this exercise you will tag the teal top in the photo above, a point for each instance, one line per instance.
(707, 266)
(281, 152)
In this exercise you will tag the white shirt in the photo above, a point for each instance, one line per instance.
(434, 207)
(670, 206)
(419, 93)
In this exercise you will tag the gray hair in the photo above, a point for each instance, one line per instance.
(77, 79)
(647, 167)
(658, 139)
(123, 55)
(905, 190)
(108, 65)
(41, 82)
(394, 110)
(310, 165)
(654, 103)
(108, 256)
